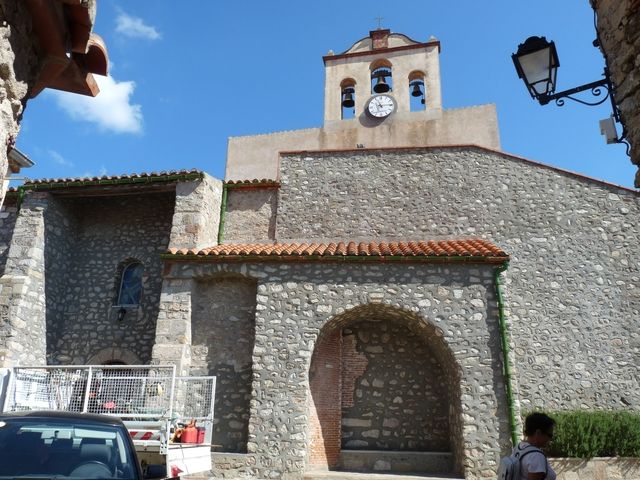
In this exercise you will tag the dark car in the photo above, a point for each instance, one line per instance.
(44, 444)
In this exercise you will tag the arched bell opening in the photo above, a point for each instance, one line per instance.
(384, 385)
(348, 98)
(417, 91)
(381, 77)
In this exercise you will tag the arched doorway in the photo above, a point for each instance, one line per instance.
(114, 356)
(385, 393)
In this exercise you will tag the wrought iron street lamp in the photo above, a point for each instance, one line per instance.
(537, 63)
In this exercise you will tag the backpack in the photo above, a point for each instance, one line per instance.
(510, 466)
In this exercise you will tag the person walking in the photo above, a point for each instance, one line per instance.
(538, 432)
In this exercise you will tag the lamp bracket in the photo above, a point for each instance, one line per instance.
(596, 90)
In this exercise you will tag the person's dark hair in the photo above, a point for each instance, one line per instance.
(538, 421)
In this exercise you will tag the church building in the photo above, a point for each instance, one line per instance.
(386, 293)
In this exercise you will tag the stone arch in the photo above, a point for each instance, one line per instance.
(424, 398)
(113, 355)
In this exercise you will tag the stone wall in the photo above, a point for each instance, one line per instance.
(250, 215)
(453, 305)
(111, 231)
(222, 327)
(399, 401)
(196, 216)
(573, 287)
(18, 63)
(599, 468)
(22, 288)
(8, 214)
(619, 32)
(61, 244)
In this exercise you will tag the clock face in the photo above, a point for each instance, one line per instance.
(381, 106)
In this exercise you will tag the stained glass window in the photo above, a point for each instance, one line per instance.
(131, 285)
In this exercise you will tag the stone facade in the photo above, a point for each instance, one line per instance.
(318, 358)
(619, 34)
(62, 277)
(572, 287)
(88, 243)
(322, 359)
(298, 303)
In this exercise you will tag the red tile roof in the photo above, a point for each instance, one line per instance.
(124, 178)
(255, 183)
(471, 249)
(250, 182)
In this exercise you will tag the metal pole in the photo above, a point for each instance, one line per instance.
(87, 390)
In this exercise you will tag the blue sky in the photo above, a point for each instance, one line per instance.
(187, 75)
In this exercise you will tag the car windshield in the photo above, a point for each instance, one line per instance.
(63, 448)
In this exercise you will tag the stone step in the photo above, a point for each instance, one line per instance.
(377, 461)
(333, 475)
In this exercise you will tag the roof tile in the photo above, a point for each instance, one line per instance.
(111, 177)
(473, 248)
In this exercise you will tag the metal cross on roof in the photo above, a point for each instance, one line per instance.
(379, 20)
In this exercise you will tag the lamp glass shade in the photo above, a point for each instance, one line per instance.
(537, 62)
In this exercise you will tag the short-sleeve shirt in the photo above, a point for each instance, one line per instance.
(535, 462)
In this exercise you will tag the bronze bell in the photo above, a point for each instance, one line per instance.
(381, 85)
(347, 100)
(416, 92)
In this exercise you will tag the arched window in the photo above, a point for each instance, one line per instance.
(417, 92)
(381, 78)
(131, 285)
(348, 98)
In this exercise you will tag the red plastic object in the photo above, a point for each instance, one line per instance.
(201, 431)
(190, 435)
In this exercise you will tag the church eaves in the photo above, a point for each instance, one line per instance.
(466, 250)
(125, 179)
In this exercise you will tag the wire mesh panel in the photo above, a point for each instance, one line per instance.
(46, 389)
(195, 397)
(126, 391)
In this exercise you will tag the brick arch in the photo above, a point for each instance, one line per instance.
(338, 363)
(112, 355)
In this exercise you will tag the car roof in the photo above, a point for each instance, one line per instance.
(58, 415)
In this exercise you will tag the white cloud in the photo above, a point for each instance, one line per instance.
(59, 159)
(90, 174)
(111, 110)
(135, 27)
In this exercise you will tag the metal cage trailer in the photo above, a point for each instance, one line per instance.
(169, 417)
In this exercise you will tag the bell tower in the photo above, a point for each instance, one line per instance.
(382, 93)
(385, 75)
